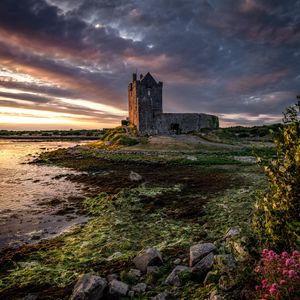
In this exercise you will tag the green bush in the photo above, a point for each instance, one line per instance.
(277, 217)
(122, 135)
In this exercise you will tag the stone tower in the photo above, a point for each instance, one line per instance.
(146, 113)
(145, 102)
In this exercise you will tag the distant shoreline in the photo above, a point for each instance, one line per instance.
(53, 137)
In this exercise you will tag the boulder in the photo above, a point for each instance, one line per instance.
(139, 288)
(174, 276)
(118, 288)
(150, 257)
(89, 287)
(204, 265)
(197, 252)
(232, 232)
(133, 176)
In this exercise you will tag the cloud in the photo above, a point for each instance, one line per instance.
(224, 57)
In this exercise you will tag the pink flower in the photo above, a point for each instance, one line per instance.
(265, 251)
(292, 274)
(272, 291)
(284, 254)
(295, 253)
(284, 272)
(257, 287)
(264, 283)
(282, 281)
(288, 262)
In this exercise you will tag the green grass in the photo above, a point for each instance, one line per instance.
(120, 227)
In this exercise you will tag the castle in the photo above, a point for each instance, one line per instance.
(146, 113)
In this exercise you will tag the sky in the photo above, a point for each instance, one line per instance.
(67, 63)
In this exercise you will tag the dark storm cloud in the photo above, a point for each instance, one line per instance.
(223, 57)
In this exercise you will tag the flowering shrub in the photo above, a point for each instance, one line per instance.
(277, 214)
(279, 276)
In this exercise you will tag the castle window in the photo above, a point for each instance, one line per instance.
(149, 93)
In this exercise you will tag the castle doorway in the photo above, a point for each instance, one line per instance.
(174, 128)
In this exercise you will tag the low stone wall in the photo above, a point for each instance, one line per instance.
(171, 123)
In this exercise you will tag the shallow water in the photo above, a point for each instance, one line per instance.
(31, 194)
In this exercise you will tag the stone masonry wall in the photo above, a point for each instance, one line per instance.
(170, 123)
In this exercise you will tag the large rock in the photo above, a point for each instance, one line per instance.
(197, 252)
(150, 257)
(118, 288)
(174, 276)
(133, 176)
(89, 287)
(204, 265)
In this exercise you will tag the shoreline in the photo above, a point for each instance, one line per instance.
(50, 138)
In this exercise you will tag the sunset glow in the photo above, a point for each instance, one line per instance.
(69, 62)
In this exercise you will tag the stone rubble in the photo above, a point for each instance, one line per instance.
(197, 252)
(204, 265)
(150, 257)
(89, 287)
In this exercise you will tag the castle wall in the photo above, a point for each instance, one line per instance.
(146, 117)
(145, 111)
(171, 123)
(133, 96)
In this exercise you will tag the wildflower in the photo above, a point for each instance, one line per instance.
(292, 274)
(264, 283)
(282, 281)
(284, 254)
(265, 251)
(284, 272)
(257, 287)
(272, 291)
(288, 262)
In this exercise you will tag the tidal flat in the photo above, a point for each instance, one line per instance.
(188, 190)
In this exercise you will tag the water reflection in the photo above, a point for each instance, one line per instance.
(31, 196)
